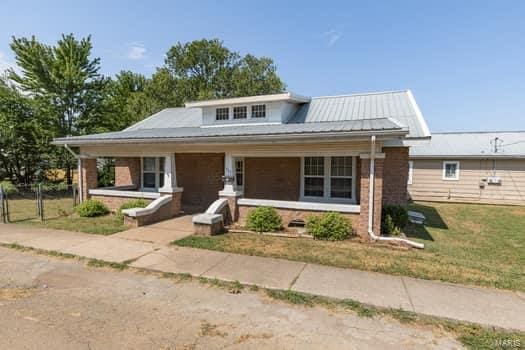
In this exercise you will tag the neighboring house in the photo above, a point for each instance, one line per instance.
(298, 154)
(475, 167)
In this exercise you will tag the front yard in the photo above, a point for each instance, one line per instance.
(59, 214)
(464, 243)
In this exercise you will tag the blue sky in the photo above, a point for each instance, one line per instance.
(463, 60)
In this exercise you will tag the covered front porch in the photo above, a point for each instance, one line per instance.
(297, 180)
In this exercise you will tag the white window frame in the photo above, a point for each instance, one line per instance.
(245, 113)
(410, 172)
(158, 174)
(450, 162)
(222, 120)
(257, 105)
(235, 160)
(327, 177)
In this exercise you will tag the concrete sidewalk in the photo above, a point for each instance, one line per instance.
(486, 306)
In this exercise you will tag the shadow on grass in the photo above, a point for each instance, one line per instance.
(433, 219)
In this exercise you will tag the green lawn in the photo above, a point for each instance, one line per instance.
(464, 243)
(59, 214)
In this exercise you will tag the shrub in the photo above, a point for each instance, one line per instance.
(91, 208)
(137, 203)
(393, 219)
(263, 219)
(329, 226)
(8, 187)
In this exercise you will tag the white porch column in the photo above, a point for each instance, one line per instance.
(170, 175)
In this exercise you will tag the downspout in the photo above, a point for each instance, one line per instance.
(79, 172)
(371, 204)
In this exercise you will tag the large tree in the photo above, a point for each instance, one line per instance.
(23, 136)
(206, 69)
(66, 79)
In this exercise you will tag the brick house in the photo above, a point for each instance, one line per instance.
(298, 154)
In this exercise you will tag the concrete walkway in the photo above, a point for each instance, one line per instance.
(486, 306)
(161, 233)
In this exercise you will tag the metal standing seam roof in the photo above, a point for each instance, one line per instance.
(377, 125)
(472, 144)
(400, 106)
(394, 111)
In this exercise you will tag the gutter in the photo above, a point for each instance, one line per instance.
(235, 138)
(79, 171)
(371, 204)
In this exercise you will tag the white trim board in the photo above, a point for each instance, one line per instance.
(125, 194)
(312, 206)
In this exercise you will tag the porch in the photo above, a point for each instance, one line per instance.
(295, 182)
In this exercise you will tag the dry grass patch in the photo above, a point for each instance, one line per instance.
(15, 293)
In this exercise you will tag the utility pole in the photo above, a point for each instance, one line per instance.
(496, 143)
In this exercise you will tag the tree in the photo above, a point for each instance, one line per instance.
(126, 101)
(23, 136)
(206, 69)
(67, 81)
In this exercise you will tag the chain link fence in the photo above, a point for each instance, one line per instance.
(36, 202)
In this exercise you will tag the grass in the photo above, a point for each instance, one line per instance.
(471, 335)
(59, 215)
(464, 243)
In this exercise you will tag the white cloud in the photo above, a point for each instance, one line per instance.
(136, 51)
(332, 36)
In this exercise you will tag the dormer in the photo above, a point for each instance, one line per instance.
(262, 109)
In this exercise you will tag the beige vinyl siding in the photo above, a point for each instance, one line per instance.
(428, 183)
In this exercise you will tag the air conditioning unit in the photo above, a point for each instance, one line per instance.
(494, 180)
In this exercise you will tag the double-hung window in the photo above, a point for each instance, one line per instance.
(152, 172)
(314, 177)
(450, 170)
(341, 177)
(329, 178)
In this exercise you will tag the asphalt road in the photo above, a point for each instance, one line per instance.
(50, 303)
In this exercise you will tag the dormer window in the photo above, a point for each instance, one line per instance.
(240, 112)
(259, 111)
(222, 113)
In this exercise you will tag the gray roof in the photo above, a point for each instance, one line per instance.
(395, 112)
(354, 126)
(399, 106)
(171, 118)
(472, 145)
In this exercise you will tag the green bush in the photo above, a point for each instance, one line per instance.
(263, 219)
(329, 226)
(91, 208)
(137, 203)
(8, 187)
(393, 219)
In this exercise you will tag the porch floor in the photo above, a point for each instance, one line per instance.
(161, 233)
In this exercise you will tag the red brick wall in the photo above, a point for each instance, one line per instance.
(272, 178)
(89, 175)
(395, 175)
(200, 174)
(362, 228)
(112, 202)
(287, 215)
(127, 171)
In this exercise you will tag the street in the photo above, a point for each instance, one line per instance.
(52, 303)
